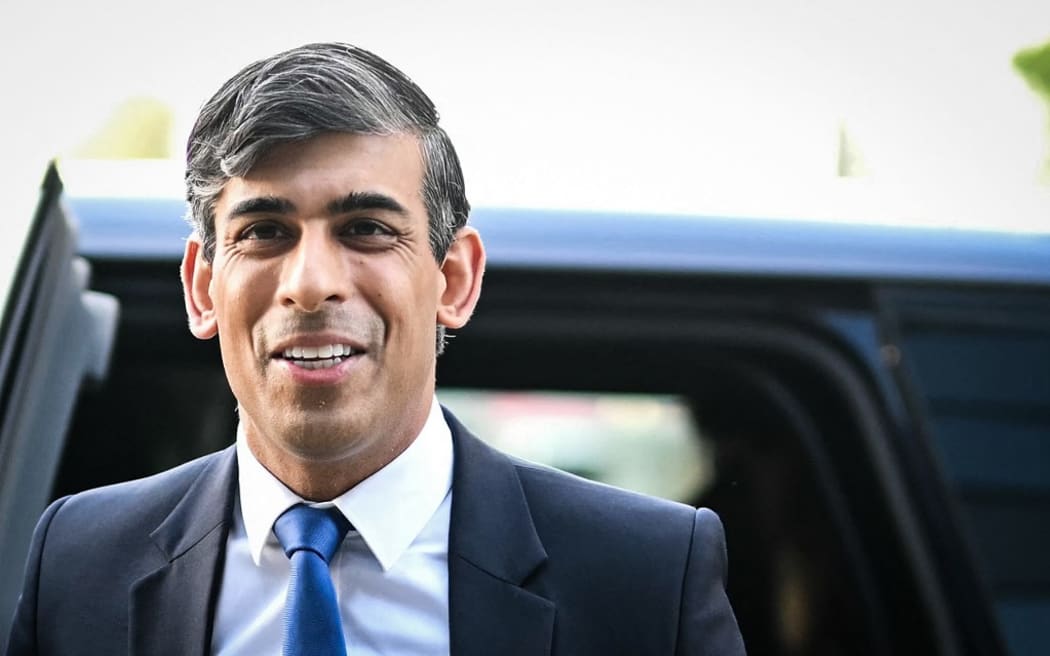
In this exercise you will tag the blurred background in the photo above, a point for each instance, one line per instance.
(914, 111)
(889, 111)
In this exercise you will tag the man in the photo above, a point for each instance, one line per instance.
(353, 515)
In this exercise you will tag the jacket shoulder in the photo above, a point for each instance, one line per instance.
(581, 500)
(95, 545)
(88, 524)
(142, 501)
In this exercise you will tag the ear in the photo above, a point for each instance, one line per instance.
(462, 269)
(196, 290)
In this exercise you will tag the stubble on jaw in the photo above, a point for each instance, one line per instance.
(320, 479)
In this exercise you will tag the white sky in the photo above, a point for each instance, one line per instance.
(660, 105)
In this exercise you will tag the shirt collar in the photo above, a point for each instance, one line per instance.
(389, 508)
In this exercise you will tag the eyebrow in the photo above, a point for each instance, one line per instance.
(365, 200)
(262, 205)
(353, 202)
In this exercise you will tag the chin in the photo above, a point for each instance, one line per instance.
(321, 440)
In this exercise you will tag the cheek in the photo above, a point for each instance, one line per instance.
(243, 295)
(399, 289)
(406, 302)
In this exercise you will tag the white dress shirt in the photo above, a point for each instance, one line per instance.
(390, 573)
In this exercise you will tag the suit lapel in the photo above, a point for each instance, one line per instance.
(172, 608)
(493, 549)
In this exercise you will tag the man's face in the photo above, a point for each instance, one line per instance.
(325, 296)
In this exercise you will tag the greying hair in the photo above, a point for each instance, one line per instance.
(306, 91)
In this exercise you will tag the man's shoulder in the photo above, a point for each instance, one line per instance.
(545, 483)
(171, 482)
(143, 501)
(563, 503)
(597, 543)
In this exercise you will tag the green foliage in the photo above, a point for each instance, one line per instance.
(1034, 66)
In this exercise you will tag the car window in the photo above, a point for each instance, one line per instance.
(641, 442)
(981, 365)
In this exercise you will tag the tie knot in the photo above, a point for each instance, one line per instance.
(319, 530)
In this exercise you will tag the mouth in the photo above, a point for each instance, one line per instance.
(318, 357)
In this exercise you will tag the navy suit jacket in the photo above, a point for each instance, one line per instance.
(540, 563)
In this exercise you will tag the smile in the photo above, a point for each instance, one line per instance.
(318, 357)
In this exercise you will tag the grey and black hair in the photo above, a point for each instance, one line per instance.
(306, 91)
(316, 88)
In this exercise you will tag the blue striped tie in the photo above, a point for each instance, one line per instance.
(310, 536)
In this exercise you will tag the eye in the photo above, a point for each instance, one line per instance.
(367, 228)
(263, 231)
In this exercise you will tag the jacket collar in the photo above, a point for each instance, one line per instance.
(493, 549)
(167, 615)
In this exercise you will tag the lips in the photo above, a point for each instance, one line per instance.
(318, 357)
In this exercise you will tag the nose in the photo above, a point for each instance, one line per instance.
(315, 271)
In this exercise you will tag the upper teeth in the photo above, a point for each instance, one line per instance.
(315, 352)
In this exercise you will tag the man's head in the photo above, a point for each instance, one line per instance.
(329, 247)
(319, 87)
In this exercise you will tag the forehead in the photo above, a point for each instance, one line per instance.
(329, 166)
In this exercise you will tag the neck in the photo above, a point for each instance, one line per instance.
(323, 475)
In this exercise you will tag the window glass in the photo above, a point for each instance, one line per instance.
(987, 397)
(646, 443)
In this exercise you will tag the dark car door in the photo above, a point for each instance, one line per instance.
(976, 367)
(53, 333)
